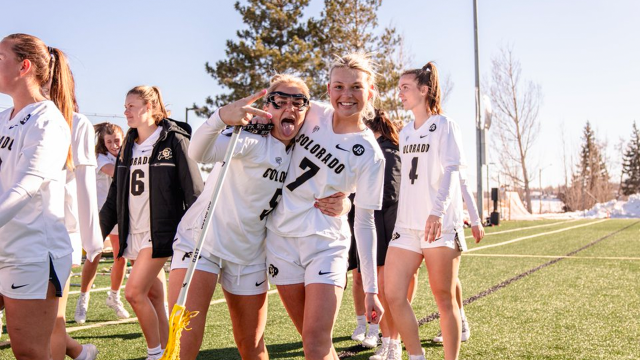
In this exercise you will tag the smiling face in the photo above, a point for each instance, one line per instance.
(411, 95)
(113, 142)
(349, 91)
(288, 119)
(138, 113)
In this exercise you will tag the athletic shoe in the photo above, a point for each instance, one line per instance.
(395, 351)
(91, 351)
(116, 305)
(81, 309)
(371, 339)
(466, 333)
(381, 352)
(358, 333)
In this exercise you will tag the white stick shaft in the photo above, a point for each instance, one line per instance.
(182, 298)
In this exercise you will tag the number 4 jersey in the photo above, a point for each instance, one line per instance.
(430, 156)
(250, 192)
(322, 164)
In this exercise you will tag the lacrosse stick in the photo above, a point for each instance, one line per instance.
(180, 317)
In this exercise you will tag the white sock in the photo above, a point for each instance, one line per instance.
(83, 354)
(154, 351)
(394, 341)
(462, 314)
(84, 297)
(373, 328)
(385, 341)
(114, 294)
(361, 319)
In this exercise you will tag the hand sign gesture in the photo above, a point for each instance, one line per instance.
(241, 112)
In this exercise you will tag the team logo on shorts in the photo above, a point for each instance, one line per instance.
(396, 236)
(273, 271)
(165, 154)
(432, 128)
(189, 254)
(316, 128)
(26, 118)
(279, 160)
(358, 149)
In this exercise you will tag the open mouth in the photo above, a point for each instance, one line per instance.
(288, 126)
(343, 103)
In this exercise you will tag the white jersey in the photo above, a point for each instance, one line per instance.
(251, 190)
(322, 164)
(139, 212)
(103, 181)
(35, 142)
(430, 184)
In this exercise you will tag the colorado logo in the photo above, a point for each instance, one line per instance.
(165, 154)
(432, 128)
(395, 236)
(358, 149)
(273, 271)
(316, 128)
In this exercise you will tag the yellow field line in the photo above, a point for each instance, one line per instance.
(524, 228)
(534, 236)
(557, 256)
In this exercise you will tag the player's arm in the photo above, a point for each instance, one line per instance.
(188, 173)
(476, 224)
(109, 212)
(18, 196)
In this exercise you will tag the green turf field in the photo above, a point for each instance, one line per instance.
(532, 295)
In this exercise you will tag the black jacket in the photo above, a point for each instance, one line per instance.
(174, 184)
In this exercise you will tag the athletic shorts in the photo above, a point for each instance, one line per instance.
(413, 240)
(234, 278)
(135, 243)
(311, 259)
(31, 280)
(76, 244)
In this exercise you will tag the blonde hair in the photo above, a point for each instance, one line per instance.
(280, 79)
(359, 61)
(151, 95)
(52, 74)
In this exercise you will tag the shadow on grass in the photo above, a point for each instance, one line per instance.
(129, 336)
(276, 351)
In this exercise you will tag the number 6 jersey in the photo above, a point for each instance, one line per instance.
(431, 158)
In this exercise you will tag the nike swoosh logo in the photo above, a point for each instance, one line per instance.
(13, 286)
(258, 284)
(423, 136)
(324, 273)
(339, 148)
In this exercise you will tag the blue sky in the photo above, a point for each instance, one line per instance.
(583, 54)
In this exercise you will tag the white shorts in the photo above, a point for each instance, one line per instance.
(413, 240)
(76, 244)
(135, 243)
(311, 259)
(31, 281)
(234, 278)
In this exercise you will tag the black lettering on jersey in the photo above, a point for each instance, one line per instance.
(275, 175)
(6, 142)
(322, 154)
(415, 148)
(140, 160)
(137, 184)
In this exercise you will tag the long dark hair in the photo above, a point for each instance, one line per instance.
(382, 124)
(428, 76)
(102, 129)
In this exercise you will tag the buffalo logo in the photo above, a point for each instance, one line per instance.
(273, 271)
(358, 149)
(395, 236)
(279, 160)
(432, 128)
(165, 154)
(189, 254)
(24, 121)
(316, 128)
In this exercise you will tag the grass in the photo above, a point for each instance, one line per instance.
(582, 307)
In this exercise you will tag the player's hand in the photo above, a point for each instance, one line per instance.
(373, 308)
(433, 228)
(335, 205)
(477, 232)
(241, 112)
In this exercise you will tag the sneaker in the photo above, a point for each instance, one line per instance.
(116, 305)
(395, 351)
(371, 339)
(91, 351)
(358, 333)
(466, 333)
(381, 352)
(81, 309)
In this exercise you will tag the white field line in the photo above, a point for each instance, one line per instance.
(524, 228)
(534, 236)
(557, 256)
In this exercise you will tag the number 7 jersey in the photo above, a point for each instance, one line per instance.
(322, 164)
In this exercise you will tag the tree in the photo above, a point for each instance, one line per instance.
(275, 40)
(631, 164)
(515, 118)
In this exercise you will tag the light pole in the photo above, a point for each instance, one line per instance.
(186, 113)
(479, 127)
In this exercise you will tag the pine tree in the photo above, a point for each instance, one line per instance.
(591, 179)
(631, 164)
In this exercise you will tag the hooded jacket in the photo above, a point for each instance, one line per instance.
(174, 185)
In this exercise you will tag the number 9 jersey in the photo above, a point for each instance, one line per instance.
(431, 158)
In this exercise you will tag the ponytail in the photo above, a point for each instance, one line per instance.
(382, 124)
(428, 76)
